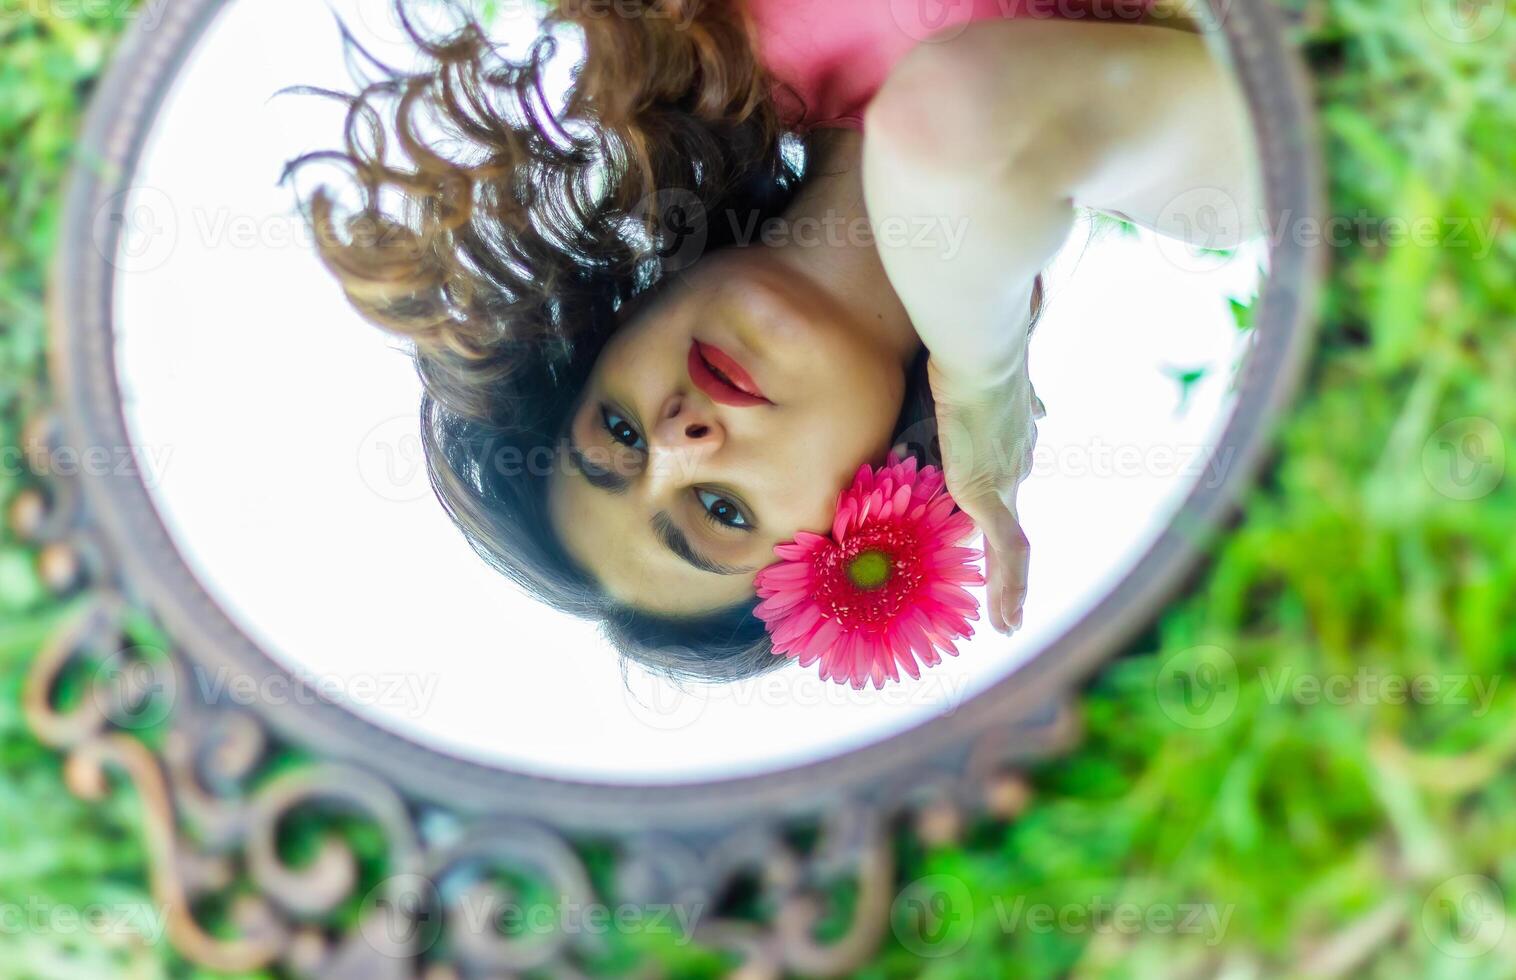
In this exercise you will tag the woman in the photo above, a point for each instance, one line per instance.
(660, 326)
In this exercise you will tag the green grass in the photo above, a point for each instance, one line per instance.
(1303, 827)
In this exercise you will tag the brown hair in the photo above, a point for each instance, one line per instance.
(507, 238)
(506, 247)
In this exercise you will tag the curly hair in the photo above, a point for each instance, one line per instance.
(507, 238)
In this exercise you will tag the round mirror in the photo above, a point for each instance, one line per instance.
(657, 340)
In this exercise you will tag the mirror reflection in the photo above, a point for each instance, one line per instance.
(659, 391)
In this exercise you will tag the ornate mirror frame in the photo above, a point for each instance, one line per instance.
(214, 803)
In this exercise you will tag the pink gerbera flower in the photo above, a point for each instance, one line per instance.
(886, 589)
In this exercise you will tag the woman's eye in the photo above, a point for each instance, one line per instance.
(721, 510)
(621, 430)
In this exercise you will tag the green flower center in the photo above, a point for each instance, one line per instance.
(869, 570)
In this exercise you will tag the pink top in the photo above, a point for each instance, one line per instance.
(834, 54)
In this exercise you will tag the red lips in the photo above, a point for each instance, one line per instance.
(714, 372)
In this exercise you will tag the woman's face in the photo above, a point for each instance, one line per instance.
(723, 418)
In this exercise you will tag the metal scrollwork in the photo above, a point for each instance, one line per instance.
(753, 865)
(212, 814)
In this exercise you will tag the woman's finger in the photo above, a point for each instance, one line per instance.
(1007, 558)
(994, 593)
(1006, 580)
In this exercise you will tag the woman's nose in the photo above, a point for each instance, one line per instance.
(688, 424)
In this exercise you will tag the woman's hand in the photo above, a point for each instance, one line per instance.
(987, 435)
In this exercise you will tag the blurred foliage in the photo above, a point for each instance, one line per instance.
(1317, 836)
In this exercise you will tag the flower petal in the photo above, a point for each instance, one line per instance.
(816, 614)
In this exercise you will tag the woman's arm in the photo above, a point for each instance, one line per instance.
(1005, 128)
(993, 138)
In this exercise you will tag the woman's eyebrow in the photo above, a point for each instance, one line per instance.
(601, 479)
(675, 540)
